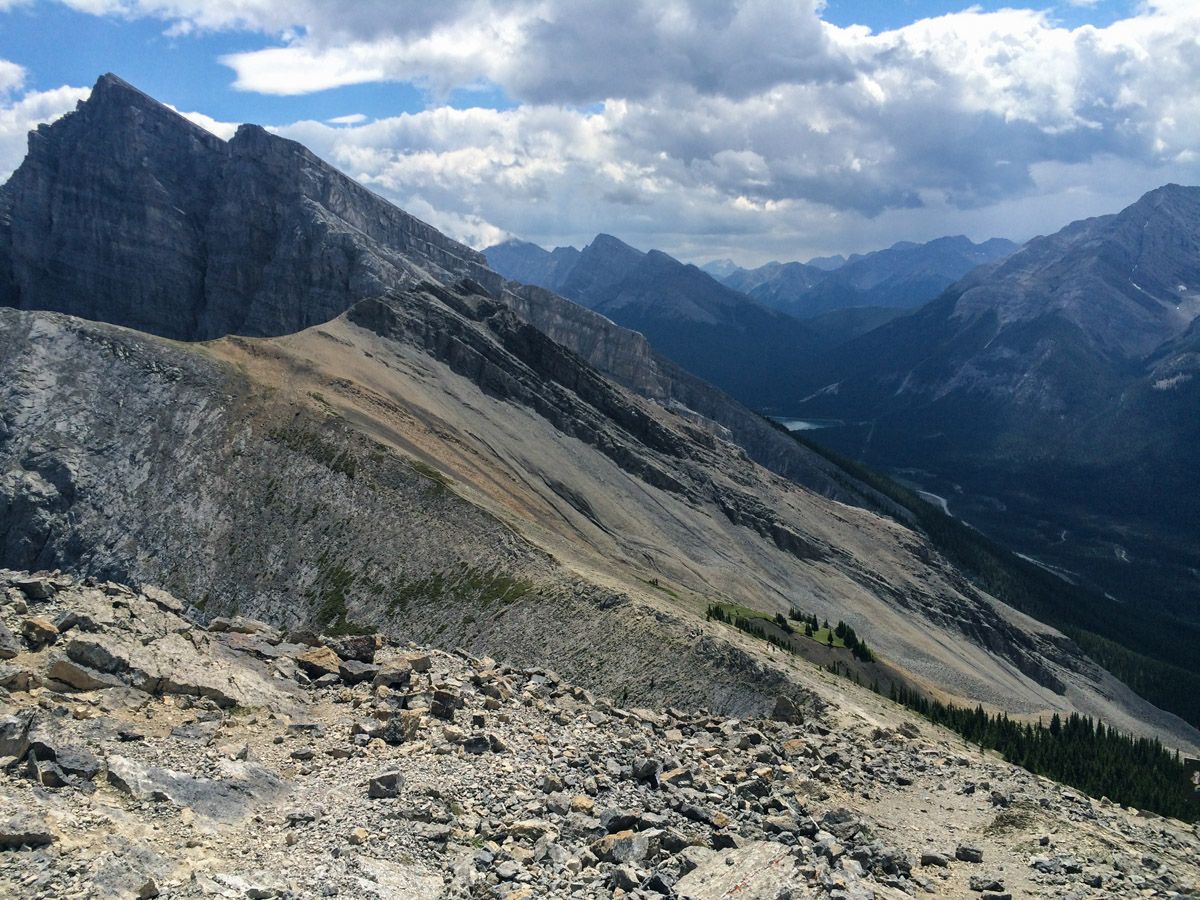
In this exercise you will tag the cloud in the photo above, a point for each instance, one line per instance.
(351, 119)
(223, 130)
(733, 128)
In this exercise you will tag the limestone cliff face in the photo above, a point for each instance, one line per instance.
(125, 212)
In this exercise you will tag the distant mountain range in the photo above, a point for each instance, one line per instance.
(710, 329)
(1060, 389)
(741, 328)
(903, 276)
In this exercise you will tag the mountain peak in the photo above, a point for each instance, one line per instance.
(607, 243)
(127, 212)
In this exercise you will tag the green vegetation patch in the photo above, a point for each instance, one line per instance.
(785, 631)
(484, 588)
(1077, 751)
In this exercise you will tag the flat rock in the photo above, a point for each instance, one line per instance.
(25, 830)
(227, 800)
(759, 869)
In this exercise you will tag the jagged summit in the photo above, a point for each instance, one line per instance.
(201, 237)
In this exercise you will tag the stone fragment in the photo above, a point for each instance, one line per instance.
(443, 705)
(319, 661)
(385, 786)
(934, 858)
(980, 883)
(404, 726)
(968, 853)
(39, 632)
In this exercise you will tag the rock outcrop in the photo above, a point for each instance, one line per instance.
(160, 226)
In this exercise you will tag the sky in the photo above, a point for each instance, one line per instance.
(748, 129)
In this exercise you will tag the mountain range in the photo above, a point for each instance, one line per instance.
(712, 330)
(904, 276)
(740, 328)
(227, 369)
(1052, 397)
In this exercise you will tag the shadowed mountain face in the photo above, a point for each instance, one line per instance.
(1069, 370)
(201, 237)
(711, 330)
(455, 459)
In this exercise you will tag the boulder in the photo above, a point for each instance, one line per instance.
(394, 673)
(934, 858)
(14, 734)
(25, 830)
(385, 786)
(627, 846)
(163, 600)
(35, 588)
(359, 647)
(354, 671)
(787, 711)
(968, 853)
(17, 678)
(39, 631)
(319, 661)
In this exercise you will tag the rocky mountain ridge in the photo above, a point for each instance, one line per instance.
(145, 754)
(256, 236)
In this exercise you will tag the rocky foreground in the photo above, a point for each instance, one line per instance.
(146, 754)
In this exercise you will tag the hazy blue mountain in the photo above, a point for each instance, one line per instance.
(720, 268)
(530, 264)
(903, 276)
(712, 330)
(827, 263)
(1063, 384)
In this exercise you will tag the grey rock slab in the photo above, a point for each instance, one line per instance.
(228, 800)
(173, 665)
(79, 676)
(25, 830)
(9, 645)
(759, 869)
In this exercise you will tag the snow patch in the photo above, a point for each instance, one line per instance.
(1167, 384)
